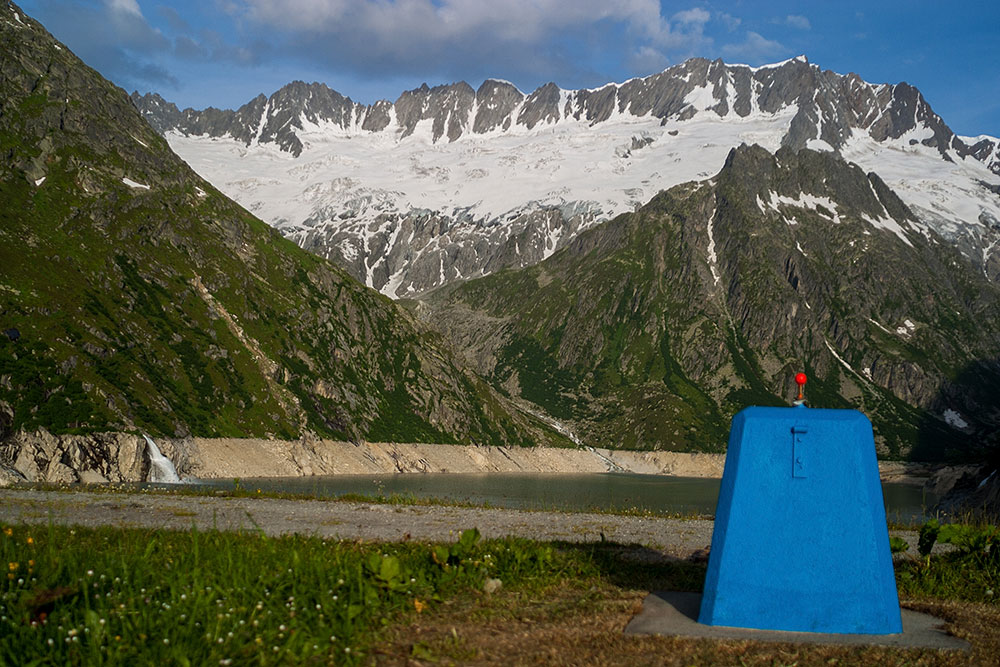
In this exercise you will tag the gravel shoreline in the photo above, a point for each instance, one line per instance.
(674, 538)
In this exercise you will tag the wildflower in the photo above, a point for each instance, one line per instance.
(8, 532)
(90, 573)
(31, 540)
(166, 641)
(13, 566)
(418, 605)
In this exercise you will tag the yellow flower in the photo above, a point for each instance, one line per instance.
(418, 605)
(12, 566)
(31, 540)
(8, 532)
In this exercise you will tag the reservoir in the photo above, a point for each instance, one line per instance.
(662, 494)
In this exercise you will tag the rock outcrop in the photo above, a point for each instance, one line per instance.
(102, 457)
(40, 456)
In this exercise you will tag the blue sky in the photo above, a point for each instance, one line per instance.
(222, 53)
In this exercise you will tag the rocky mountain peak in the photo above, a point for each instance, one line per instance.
(447, 107)
(496, 102)
(830, 107)
(710, 297)
(465, 209)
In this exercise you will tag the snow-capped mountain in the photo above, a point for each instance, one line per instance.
(450, 182)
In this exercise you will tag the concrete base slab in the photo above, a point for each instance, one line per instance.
(676, 615)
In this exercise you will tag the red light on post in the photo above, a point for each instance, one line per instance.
(800, 379)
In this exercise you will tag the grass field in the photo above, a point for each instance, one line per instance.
(109, 596)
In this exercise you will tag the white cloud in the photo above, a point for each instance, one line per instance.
(124, 6)
(695, 15)
(427, 36)
(731, 22)
(647, 60)
(520, 19)
(755, 49)
(798, 21)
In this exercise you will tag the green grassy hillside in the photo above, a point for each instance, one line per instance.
(143, 298)
(638, 339)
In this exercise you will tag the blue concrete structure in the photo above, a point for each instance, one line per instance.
(800, 540)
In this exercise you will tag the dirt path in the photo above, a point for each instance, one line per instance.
(345, 520)
(677, 538)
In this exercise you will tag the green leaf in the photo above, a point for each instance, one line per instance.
(390, 569)
(93, 621)
(928, 536)
(374, 564)
(469, 538)
(440, 555)
(898, 545)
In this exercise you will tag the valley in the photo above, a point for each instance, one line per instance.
(620, 268)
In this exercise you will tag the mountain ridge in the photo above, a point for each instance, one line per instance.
(449, 183)
(134, 295)
(885, 110)
(658, 325)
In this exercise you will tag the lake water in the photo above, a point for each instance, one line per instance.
(657, 493)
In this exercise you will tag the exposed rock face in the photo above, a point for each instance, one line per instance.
(481, 186)
(101, 457)
(652, 329)
(976, 493)
(495, 104)
(829, 106)
(40, 456)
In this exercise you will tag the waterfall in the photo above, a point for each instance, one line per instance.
(160, 467)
